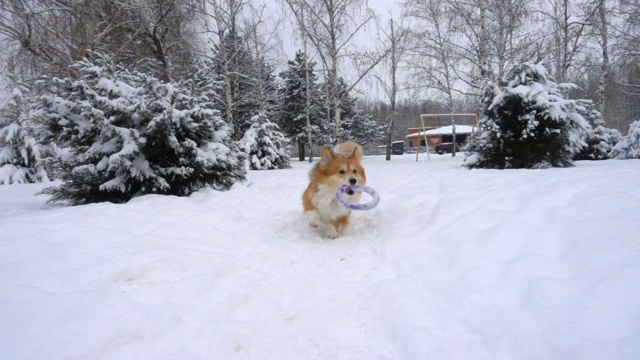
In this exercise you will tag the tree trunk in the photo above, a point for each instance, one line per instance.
(604, 40)
(225, 69)
(483, 44)
(394, 88)
(300, 150)
(307, 106)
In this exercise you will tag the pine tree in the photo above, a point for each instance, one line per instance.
(128, 134)
(293, 98)
(629, 145)
(362, 129)
(229, 158)
(599, 140)
(266, 146)
(251, 84)
(266, 89)
(355, 125)
(20, 148)
(347, 109)
(526, 123)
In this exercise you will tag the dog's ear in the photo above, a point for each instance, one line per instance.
(354, 153)
(327, 155)
(357, 153)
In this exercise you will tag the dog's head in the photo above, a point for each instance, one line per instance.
(341, 169)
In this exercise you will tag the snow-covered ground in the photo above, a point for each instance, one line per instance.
(453, 264)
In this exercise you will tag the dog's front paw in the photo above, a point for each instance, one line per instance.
(332, 233)
(313, 218)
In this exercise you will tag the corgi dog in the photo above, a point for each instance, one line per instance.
(337, 167)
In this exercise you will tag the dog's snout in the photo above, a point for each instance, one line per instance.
(353, 181)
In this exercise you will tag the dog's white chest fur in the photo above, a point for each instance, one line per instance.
(327, 206)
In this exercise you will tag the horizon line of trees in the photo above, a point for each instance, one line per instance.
(455, 47)
(451, 50)
(111, 134)
(440, 51)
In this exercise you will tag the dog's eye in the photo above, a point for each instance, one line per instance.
(355, 171)
(342, 171)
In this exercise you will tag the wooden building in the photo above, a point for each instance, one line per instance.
(435, 136)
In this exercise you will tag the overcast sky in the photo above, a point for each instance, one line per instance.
(367, 37)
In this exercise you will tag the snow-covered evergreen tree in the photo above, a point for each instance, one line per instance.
(266, 145)
(266, 88)
(629, 145)
(246, 84)
(347, 109)
(127, 134)
(20, 148)
(362, 129)
(293, 99)
(526, 123)
(599, 139)
(355, 124)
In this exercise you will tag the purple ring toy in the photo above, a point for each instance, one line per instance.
(353, 188)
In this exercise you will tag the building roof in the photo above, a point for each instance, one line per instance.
(445, 130)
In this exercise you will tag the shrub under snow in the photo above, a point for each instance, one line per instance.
(599, 139)
(20, 150)
(128, 134)
(629, 145)
(526, 124)
(266, 146)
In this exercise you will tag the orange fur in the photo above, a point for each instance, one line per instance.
(335, 168)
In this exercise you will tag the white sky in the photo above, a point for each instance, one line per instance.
(291, 41)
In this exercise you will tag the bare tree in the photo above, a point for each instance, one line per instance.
(221, 19)
(50, 35)
(459, 45)
(243, 38)
(628, 36)
(483, 42)
(169, 37)
(307, 74)
(628, 31)
(262, 41)
(436, 60)
(511, 41)
(601, 26)
(625, 33)
(395, 39)
(332, 26)
(432, 58)
(570, 21)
